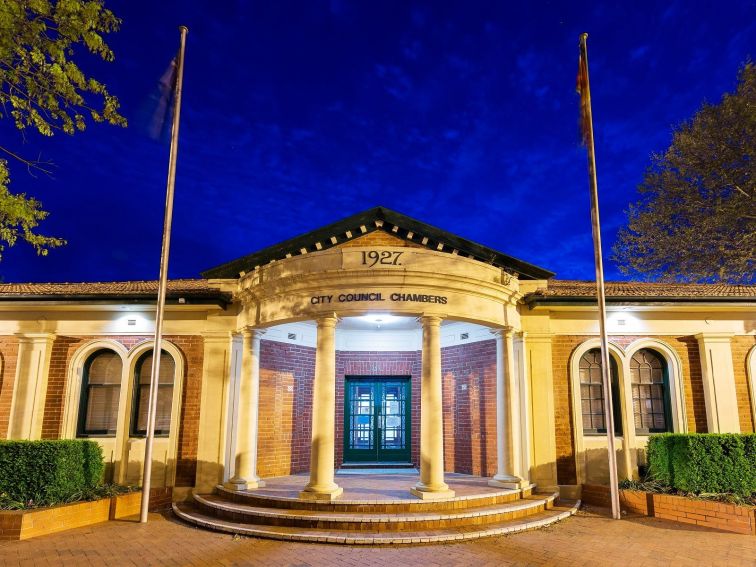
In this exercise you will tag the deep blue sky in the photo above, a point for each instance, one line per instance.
(296, 114)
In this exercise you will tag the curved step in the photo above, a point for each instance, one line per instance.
(189, 513)
(360, 519)
(398, 506)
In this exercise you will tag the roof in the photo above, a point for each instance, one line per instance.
(573, 291)
(191, 290)
(378, 218)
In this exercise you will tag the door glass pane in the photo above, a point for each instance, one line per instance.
(393, 418)
(361, 416)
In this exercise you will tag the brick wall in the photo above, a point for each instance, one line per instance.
(359, 363)
(287, 372)
(469, 393)
(741, 346)
(191, 348)
(285, 416)
(8, 358)
(707, 513)
(563, 347)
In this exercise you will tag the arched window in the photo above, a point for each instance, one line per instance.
(592, 394)
(142, 394)
(100, 390)
(650, 386)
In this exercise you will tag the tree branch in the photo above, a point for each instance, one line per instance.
(36, 164)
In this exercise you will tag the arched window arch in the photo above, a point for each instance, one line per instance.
(100, 392)
(592, 394)
(649, 382)
(142, 373)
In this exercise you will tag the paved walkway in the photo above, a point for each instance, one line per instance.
(586, 539)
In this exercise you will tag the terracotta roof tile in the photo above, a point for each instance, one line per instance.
(188, 287)
(643, 290)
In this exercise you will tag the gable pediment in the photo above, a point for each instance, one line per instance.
(378, 227)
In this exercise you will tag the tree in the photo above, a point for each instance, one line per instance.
(696, 218)
(42, 89)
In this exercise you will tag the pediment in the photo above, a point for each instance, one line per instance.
(376, 227)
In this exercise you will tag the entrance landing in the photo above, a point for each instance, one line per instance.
(378, 487)
(375, 509)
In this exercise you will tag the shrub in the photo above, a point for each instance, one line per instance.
(704, 463)
(49, 472)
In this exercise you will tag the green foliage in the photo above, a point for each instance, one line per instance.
(41, 84)
(709, 463)
(19, 216)
(659, 459)
(43, 90)
(696, 218)
(49, 472)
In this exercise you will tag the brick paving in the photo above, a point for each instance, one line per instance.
(589, 538)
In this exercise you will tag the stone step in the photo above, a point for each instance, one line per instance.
(377, 465)
(188, 512)
(358, 518)
(260, 498)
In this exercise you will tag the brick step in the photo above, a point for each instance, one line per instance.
(358, 518)
(188, 512)
(259, 498)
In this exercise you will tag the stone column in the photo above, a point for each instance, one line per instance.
(507, 414)
(245, 473)
(718, 371)
(431, 485)
(524, 383)
(322, 485)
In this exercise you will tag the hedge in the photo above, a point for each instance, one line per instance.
(710, 463)
(49, 472)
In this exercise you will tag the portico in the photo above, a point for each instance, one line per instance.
(389, 295)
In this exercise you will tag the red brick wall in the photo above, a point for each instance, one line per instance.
(287, 372)
(695, 401)
(469, 392)
(8, 358)
(285, 416)
(191, 347)
(563, 347)
(359, 363)
(741, 346)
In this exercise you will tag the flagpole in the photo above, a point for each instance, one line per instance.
(159, 312)
(595, 227)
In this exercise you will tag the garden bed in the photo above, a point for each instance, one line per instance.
(33, 522)
(687, 510)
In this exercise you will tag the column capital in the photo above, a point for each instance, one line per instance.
(540, 337)
(217, 336)
(327, 320)
(714, 337)
(507, 331)
(431, 320)
(35, 337)
(254, 333)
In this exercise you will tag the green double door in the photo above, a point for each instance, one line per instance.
(377, 416)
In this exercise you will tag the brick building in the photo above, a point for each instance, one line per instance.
(378, 339)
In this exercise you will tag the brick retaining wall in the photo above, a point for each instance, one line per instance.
(718, 515)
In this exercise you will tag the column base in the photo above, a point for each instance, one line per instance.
(425, 493)
(508, 481)
(327, 495)
(239, 484)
